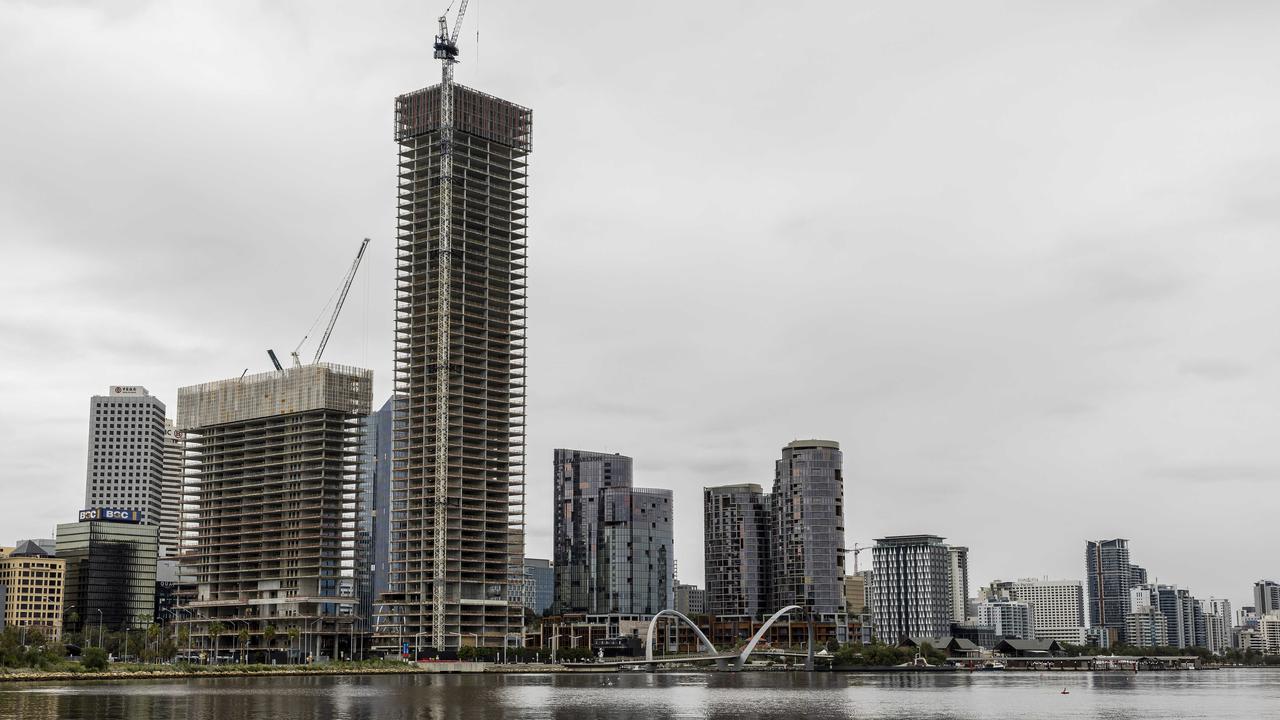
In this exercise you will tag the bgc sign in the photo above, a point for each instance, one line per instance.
(111, 514)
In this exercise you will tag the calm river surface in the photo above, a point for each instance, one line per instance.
(1206, 694)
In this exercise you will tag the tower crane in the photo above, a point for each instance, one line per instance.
(446, 51)
(856, 549)
(333, 319)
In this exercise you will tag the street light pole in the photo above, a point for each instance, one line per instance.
(100, 645)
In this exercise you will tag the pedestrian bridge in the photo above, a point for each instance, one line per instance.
(708, 651)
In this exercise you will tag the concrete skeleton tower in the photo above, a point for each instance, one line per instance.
(458, 449)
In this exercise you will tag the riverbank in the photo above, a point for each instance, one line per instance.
(161, 672)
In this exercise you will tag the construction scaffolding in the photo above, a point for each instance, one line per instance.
(273, 466)
(454, 557)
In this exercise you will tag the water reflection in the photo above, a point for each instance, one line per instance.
(723, 696)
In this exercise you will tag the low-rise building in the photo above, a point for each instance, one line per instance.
(31, 587)
(110, 570)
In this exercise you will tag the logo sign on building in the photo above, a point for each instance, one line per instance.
(128, 390)
(111, 514)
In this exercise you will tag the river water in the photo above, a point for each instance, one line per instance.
(1218, 694)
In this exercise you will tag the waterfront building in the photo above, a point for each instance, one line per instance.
(1220, 607)
(690, 600)
(457, 518)
(910, 587)
(1008, 618)
(1217, 633)
(276, 459)
(1249, 638)
(31, 588)
(1269, 633)
(1247, 616)
(1266, 597)
(540, 584)
(1109, 576)
(110, 580)
(125, 468)
(807, 507)
(958, 576)
(1177, 606)
(579, 481)
(737, 524)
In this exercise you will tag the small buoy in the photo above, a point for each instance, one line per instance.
(1064, 692)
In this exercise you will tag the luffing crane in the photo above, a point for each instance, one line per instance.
(333, 319)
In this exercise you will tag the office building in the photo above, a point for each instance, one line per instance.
(458, 511)
(1267, 638)
(1057, 608)
(1180, 611)
(691, 600)
(110, 580)
(31, 588)
(1217, 630)
(807, 506)
(170, 518)
(540, 584)
(1109, 577)
(276, 460)
(580, 479)
(1266, 597)
(1008, 618)
(737, 524)
(1220, 607)
(127, 448)
(910, 587)
(373, 525)
(958, 574)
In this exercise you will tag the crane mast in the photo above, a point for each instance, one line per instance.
(342, 298)
(446, 50)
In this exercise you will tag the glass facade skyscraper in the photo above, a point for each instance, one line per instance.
(736, 535)
(1110, 577)
(808, 527)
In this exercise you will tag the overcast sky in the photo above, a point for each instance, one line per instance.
(1020, 259)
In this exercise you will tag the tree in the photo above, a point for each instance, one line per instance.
(184, 638)
(294, 633)
(216, 629)
(94, 658)
(243, 636)
(268, 638)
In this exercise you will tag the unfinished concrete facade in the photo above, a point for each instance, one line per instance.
(457, 519)
(273, 461)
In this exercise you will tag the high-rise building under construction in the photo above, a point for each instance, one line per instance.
(457, 519)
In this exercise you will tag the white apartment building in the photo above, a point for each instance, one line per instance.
(1057, 606)
(1009, 618)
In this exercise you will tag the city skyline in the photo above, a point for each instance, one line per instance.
(951, 364)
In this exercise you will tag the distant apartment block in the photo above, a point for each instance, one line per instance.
(1008, 618)
(127, 448)
(1109, 577)
(958, 577)
(855, 592)
(1266, 597)
(31, 588)
(275, 459)
(736, 546)
(691, 600)
(911, 587)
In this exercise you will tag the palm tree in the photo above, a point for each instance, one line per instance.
(184, 639)
(268, 635)
(244, 644)
(294, 634)
(216, 629)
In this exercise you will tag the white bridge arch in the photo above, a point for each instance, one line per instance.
(648, 637)
(746, 652)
